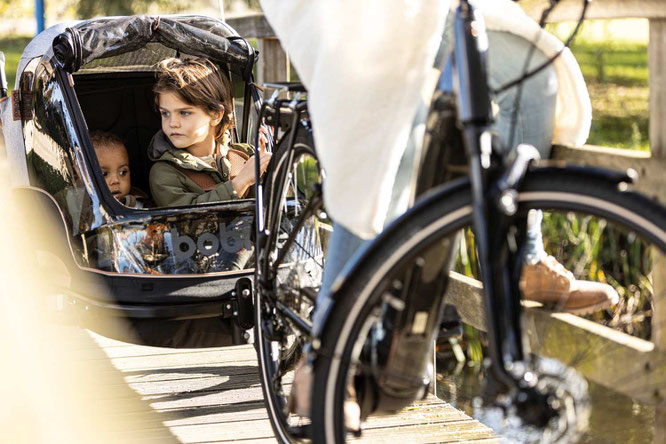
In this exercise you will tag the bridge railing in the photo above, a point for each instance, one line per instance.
(631, 366)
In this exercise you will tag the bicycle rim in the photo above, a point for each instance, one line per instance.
(593, 214)
(294, 260)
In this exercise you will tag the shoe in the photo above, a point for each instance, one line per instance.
(548, 282)
(301, 395)
(301, 389)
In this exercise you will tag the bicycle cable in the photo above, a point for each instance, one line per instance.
(545, 64)
(526, 75)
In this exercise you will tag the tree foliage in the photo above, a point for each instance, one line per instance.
(92, 8)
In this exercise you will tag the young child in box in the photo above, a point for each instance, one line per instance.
(114, 161)
(194, 163)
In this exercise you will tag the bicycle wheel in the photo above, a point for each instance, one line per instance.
(604, 234)
(289, 272)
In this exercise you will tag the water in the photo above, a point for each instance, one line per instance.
(614, 418)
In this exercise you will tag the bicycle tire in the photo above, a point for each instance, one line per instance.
(291, 272)
(434, 218)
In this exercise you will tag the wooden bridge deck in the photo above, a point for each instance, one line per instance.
(213, 395)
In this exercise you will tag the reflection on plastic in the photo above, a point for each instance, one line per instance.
(196, 244)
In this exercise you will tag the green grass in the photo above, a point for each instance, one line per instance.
(616, 74)
(613, 58)
(13, 48)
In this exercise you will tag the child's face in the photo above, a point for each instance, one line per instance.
(187, 126)
(115, 168)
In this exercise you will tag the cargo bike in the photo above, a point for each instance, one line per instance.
(182, 276)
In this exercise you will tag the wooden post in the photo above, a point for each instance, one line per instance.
(659, 304)
(657, 86)
(273, 64)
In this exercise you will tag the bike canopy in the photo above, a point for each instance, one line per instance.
(196, 35)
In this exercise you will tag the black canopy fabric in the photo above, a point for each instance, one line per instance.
(196, 35)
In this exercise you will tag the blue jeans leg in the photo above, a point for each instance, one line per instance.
(535, 120)
(341, 247)
(534, 251)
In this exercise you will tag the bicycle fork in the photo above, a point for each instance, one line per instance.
(493, 200)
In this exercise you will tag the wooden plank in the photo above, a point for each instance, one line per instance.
(651, 179)
(248, 411)
(233, 431)
(657, 87)
(598, 9)
(465, 431)
(174, 361)
(615, 360)
(659, 302)
(426, 422)
(273, 63)
(206, 396)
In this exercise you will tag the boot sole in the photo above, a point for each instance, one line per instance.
(590, 308)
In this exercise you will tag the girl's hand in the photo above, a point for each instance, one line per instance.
(245, 177)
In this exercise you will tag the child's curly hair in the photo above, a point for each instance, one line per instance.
(199, 82)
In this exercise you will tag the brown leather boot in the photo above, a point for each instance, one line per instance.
(548, 282)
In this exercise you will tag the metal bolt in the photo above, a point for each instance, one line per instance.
(508, 202)
(233, 294)
(246, 292)
(228, 306)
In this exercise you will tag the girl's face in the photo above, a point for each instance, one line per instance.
(115, 168)
(188, 127)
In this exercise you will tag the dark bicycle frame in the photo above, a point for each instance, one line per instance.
(499, 264)
(271, 111)
(498, 235)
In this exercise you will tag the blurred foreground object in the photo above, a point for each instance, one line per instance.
(56, 383)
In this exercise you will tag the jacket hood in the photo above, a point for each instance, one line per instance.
(160, 145)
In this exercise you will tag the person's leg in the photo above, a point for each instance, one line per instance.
(543, 279)
(341, 247)
(534, 249)
(534, 122)
(534, 125)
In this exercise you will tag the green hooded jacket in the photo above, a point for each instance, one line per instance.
(172, 187)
